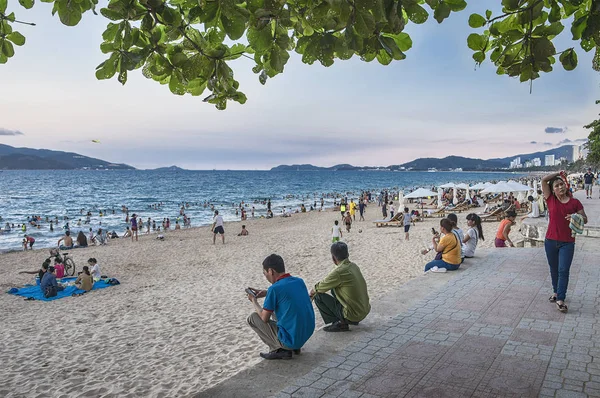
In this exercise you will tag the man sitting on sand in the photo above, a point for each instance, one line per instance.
(349, 299)
(67, 241)
(288, 299)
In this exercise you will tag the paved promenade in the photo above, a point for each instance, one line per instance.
(488, 332)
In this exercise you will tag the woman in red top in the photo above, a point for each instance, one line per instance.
(559, 244)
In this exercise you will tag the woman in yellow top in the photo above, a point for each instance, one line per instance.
(448, 246)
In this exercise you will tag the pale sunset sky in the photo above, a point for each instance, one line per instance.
(433, 104)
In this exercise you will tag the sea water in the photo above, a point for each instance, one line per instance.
(66, 193)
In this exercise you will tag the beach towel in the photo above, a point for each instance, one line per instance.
(35, 292)
(576, 224)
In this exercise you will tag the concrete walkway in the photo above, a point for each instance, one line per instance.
(489, 331)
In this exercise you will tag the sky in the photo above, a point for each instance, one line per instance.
(433, 104)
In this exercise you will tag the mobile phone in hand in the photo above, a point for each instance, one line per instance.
(251, 292)
(433, 231)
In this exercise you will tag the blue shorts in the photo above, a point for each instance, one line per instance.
(219, 230)
(406, 228)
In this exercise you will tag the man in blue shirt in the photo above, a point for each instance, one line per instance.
(48, 283)
(288, 302)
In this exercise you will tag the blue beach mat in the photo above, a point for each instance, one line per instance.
(35, 292)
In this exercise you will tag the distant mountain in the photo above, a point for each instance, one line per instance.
(12, 158)
(298, 167)
(453, 162)
(447, 163)
(170, 168)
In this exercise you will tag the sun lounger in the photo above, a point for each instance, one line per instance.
(441, 212)
(496, 215)
(396, 221)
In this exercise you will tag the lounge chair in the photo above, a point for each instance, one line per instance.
(496, 215)
(395, 221)
(441, 212)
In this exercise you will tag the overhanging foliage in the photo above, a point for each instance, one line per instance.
(189, 44)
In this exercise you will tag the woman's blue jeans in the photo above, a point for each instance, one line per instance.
(560, 256)
(441, 264)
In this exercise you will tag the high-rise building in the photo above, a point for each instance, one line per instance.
(549, 160)
(537, 162)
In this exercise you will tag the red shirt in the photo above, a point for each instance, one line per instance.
(558, 227)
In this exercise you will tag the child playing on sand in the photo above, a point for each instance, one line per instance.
(392, 209)
(407, 221)
(348, 221)
(336, 232)
(244, 231)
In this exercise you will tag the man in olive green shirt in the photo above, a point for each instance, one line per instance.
(349, 299)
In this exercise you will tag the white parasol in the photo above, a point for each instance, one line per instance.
(448, 185)
(455, 196)
(440, 193)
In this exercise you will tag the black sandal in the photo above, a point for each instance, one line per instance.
(562, 307)
(552, 299)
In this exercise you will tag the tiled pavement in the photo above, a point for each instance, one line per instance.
(489, 332)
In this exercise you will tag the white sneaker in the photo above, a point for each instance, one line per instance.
(436, 269)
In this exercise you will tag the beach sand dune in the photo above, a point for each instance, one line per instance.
(176, 324)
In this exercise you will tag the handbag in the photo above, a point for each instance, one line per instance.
(50, 292)
(438, 256)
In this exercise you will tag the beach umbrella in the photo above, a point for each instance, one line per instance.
(448, 185)
(440, 193)
(535, 189)
(468, 195)
(455, 198)
(517, 186)
(401, 197)
(462, 186)
(481, 185)
(521, 196)
(420, 193)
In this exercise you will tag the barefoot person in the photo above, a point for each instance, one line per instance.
(134, 227)
(288, 299)
(217, 227)
(560, 241)
(66, 240)
(349, 299)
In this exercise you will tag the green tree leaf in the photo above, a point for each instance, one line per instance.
(403, 41)
(416, 13)
(456, 5)
(364, 23)
(27, 3)
(17, 38)
(442, 12)
(479, 57)
(278, 59)
(476, 42)
(7, 48)
(568, 59)
(3, 4)
(476, 21)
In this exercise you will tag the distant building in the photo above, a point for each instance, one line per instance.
(537, 162)
(576, 153)
(528, 164)
(515, 163)
(549, 160)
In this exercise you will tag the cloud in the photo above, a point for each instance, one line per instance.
(4, 131)
(548, 143)
(565, 141)
(533, 142)
(555, 130)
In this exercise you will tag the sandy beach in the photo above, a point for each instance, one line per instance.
(176, 325)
